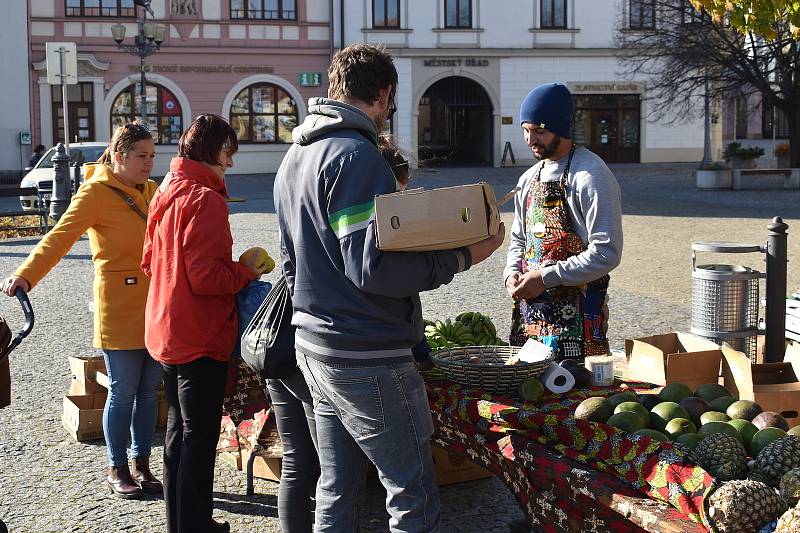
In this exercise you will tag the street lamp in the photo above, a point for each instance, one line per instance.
(147, 42)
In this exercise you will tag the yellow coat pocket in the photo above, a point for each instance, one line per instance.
(120, 299)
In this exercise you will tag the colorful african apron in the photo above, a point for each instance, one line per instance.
(568, 319)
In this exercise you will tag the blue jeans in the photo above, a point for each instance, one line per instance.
(380, 414)
(294, 415)
(132, 404)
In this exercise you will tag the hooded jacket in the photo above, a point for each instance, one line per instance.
(351, 301)
(191, 309)
(116, 233)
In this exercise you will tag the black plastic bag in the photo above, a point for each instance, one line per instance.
(268, 340)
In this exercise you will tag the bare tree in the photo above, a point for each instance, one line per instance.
(683, 53)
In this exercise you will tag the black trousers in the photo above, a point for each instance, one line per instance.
(294, 414)
(194, 394)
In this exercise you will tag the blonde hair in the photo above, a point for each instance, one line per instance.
(123, 140)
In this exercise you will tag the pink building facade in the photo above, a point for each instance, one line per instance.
(254, 62)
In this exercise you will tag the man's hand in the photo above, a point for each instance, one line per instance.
(11, 284)
(529, 285)
(481, 250)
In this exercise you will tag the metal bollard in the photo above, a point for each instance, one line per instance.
(59, 201)
(777, 249)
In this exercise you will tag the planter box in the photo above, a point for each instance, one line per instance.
(713, 179)
(738, 162)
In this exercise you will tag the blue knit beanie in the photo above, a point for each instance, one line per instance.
(549, 106)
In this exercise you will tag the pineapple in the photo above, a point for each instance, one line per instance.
(743, 505)
(778, 457)
(790, 487)
(722, 456)
(757, 475)
(789, 522)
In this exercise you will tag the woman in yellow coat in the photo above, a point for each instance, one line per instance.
(111, 205)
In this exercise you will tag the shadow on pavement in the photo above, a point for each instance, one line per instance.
(257, 505)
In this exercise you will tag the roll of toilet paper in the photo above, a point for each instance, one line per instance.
(557, 379)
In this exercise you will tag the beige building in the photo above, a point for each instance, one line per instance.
(466, 65)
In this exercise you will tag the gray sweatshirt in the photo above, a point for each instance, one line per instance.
(352, 302)
(595, 209)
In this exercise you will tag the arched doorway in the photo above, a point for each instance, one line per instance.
(455, 124)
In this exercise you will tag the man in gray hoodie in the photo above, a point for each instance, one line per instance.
(566, 236)
(356, 308)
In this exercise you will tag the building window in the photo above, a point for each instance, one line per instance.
(264, 9)
(164, 115)
(773, 122)
(100, 8)
(642, 14)
(554, 13)
(263, 113)
(385, 13)
(80, 112)
(689, 15)
(741, 117)
(457, 13)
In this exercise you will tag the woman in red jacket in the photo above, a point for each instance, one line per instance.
(190, 317)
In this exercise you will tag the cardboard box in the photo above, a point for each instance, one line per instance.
(233, 459)
(436, 219)
(161, 422)
(83, 371)
(263, 467)
(101, 379)
(452, 468)
(684, 358)
(672, 358)
(773, 386)
(82, 416)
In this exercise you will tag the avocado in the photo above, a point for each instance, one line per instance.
(594, 409)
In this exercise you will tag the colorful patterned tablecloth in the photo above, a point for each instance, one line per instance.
(658, 472)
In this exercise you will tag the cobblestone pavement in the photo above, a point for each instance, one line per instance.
(48, 483)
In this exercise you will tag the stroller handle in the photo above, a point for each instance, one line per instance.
(22, 296)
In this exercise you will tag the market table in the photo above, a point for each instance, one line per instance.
(569, 474)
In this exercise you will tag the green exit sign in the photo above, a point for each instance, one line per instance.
(310, 79)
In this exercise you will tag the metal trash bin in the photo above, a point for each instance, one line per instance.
(725, 299)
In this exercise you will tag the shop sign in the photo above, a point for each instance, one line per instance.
(205, 69)
(508, 120)
(310, 79)
(456, 62)
(610, 87)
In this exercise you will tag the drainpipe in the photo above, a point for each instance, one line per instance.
(330, 23)
(341, 25)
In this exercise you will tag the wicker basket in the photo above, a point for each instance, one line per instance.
(491, 374)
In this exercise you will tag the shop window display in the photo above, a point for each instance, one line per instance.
(164, 114)
(263, 113)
